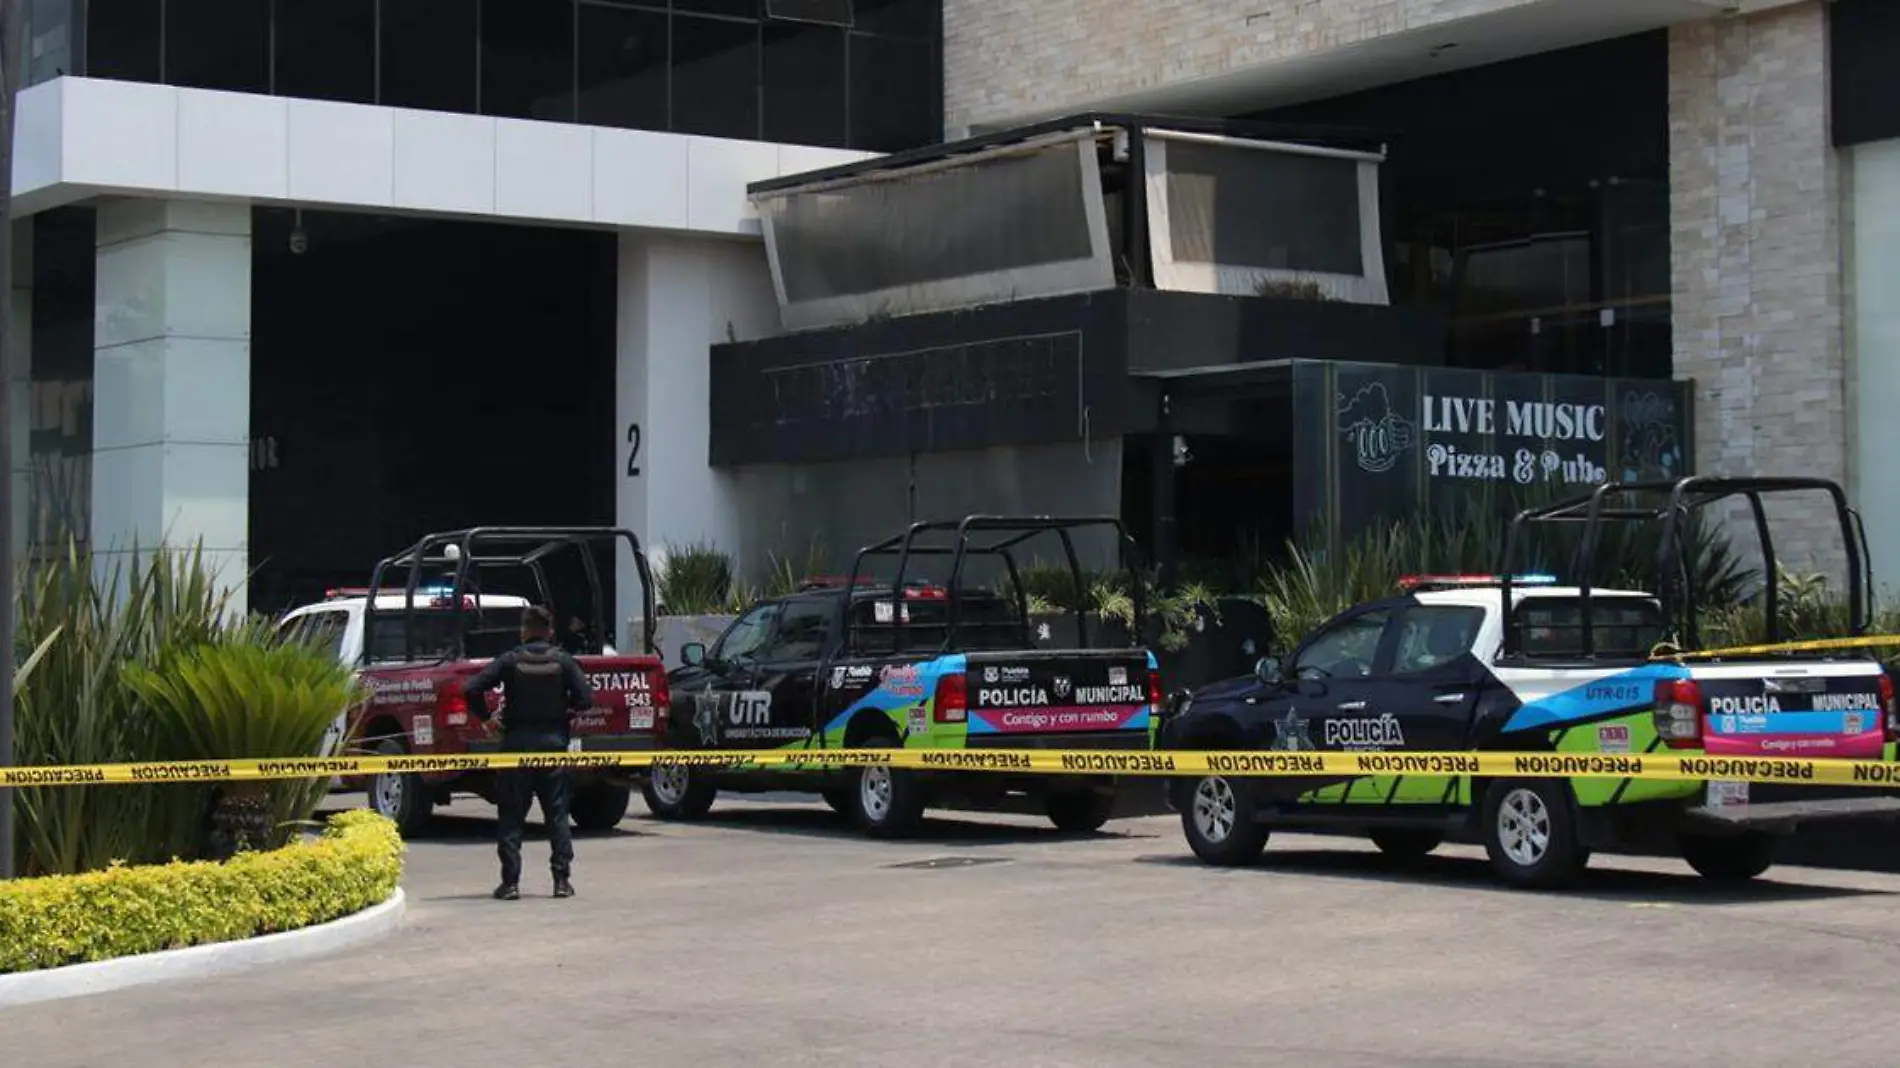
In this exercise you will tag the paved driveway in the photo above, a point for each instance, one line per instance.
(773, 937)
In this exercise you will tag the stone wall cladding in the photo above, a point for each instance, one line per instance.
(1755, 248)
(1003, 58)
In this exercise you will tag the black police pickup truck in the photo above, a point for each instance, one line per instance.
(950, 669)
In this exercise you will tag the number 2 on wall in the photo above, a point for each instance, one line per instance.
(633, 450)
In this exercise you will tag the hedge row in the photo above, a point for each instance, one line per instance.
(121, 911)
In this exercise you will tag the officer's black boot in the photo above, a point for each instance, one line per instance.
(507, 892)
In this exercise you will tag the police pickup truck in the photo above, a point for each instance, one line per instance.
(432, 617)
(1520, 664)
(952, 670)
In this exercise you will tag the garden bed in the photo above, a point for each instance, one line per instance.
(49, 922)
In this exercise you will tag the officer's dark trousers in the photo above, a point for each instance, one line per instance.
(518, 788)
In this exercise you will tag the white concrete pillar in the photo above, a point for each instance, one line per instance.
(20, 342)
(172, 381)
(678, 298)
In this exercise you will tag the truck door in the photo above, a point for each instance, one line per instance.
(1418, 698)
(787, 670)
(718, 708)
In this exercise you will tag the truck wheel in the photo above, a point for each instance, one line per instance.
(1530, 833)
(1219, 823)
(1407, 843)
(888, 802)
(1734, 858)
(402, 797)
(1080, 811)
(600, 806)
(673, 792)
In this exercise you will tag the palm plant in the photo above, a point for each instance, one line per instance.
(245, 696)
(693, 580)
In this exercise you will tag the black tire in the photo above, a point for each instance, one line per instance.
(886, 802)
(1530, 833)
(677, 792)
(1734, 858)
(1217, 816)
(839, 799)
(1407, 843)
(601, 806)
(1080, 811)
(401, 796)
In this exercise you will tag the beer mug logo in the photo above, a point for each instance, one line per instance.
(1379, 435)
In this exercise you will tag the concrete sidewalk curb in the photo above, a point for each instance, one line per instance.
(203, 962)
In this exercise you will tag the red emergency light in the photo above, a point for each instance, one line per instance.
(1413, 583)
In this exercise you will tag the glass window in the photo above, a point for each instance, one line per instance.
(122, 40)
(802, 628)
(1434, 635)
(745, 9)
(623, 55)
(895, 88)
(428, 54)
(1619, 626)
(805, 85)
(218, 44)
(715, 77)
(326, 50)
(1345, 650)
(528, 59)
(746, 638)
(898, 18)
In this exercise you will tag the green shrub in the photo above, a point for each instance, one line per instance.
(693, 580)
(81, 621)
(247, 698)
(121, 911)
(784, 574)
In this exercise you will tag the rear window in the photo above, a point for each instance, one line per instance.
(432, 633)
(988, 623)
(1620, 626)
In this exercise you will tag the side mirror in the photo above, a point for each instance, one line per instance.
(1269, 670)
(693, 654)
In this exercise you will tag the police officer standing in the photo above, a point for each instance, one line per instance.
(542, 687)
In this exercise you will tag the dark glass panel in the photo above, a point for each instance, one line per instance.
(218, 44)
(895, 90)
(528, 59)
(623, 67)
(326, 50)
(428, 54)
(122, 40)
(805, 85)
(715, 77)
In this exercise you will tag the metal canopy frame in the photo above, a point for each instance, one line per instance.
(1619, 502)
(525, 547)
(913, 542)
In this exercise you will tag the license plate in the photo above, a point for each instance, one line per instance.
(1724, 794)
(573, 745)
(640, 719)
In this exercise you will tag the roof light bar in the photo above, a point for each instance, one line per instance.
(1415, 582)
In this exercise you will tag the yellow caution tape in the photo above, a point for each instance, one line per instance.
(1817, 772)
(1665, 651)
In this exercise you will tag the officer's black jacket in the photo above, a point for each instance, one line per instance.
(541, 684)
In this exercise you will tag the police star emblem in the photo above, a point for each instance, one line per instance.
(1290, 733)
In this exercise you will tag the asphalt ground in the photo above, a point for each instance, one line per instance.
(773, 935)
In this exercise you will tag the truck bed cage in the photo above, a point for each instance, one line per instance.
(1622, 502)
(499, 546)
(1014, 531)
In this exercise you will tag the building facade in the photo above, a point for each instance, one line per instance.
(303, 280)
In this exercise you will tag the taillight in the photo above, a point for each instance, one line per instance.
(1154, 689)
(953, 699)
(662, 700)
(1890, 711)
(1679, 713)
(450, 700)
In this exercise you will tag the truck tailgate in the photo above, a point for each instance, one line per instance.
(1105, 694)
(630, 695)
(1815, 709)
